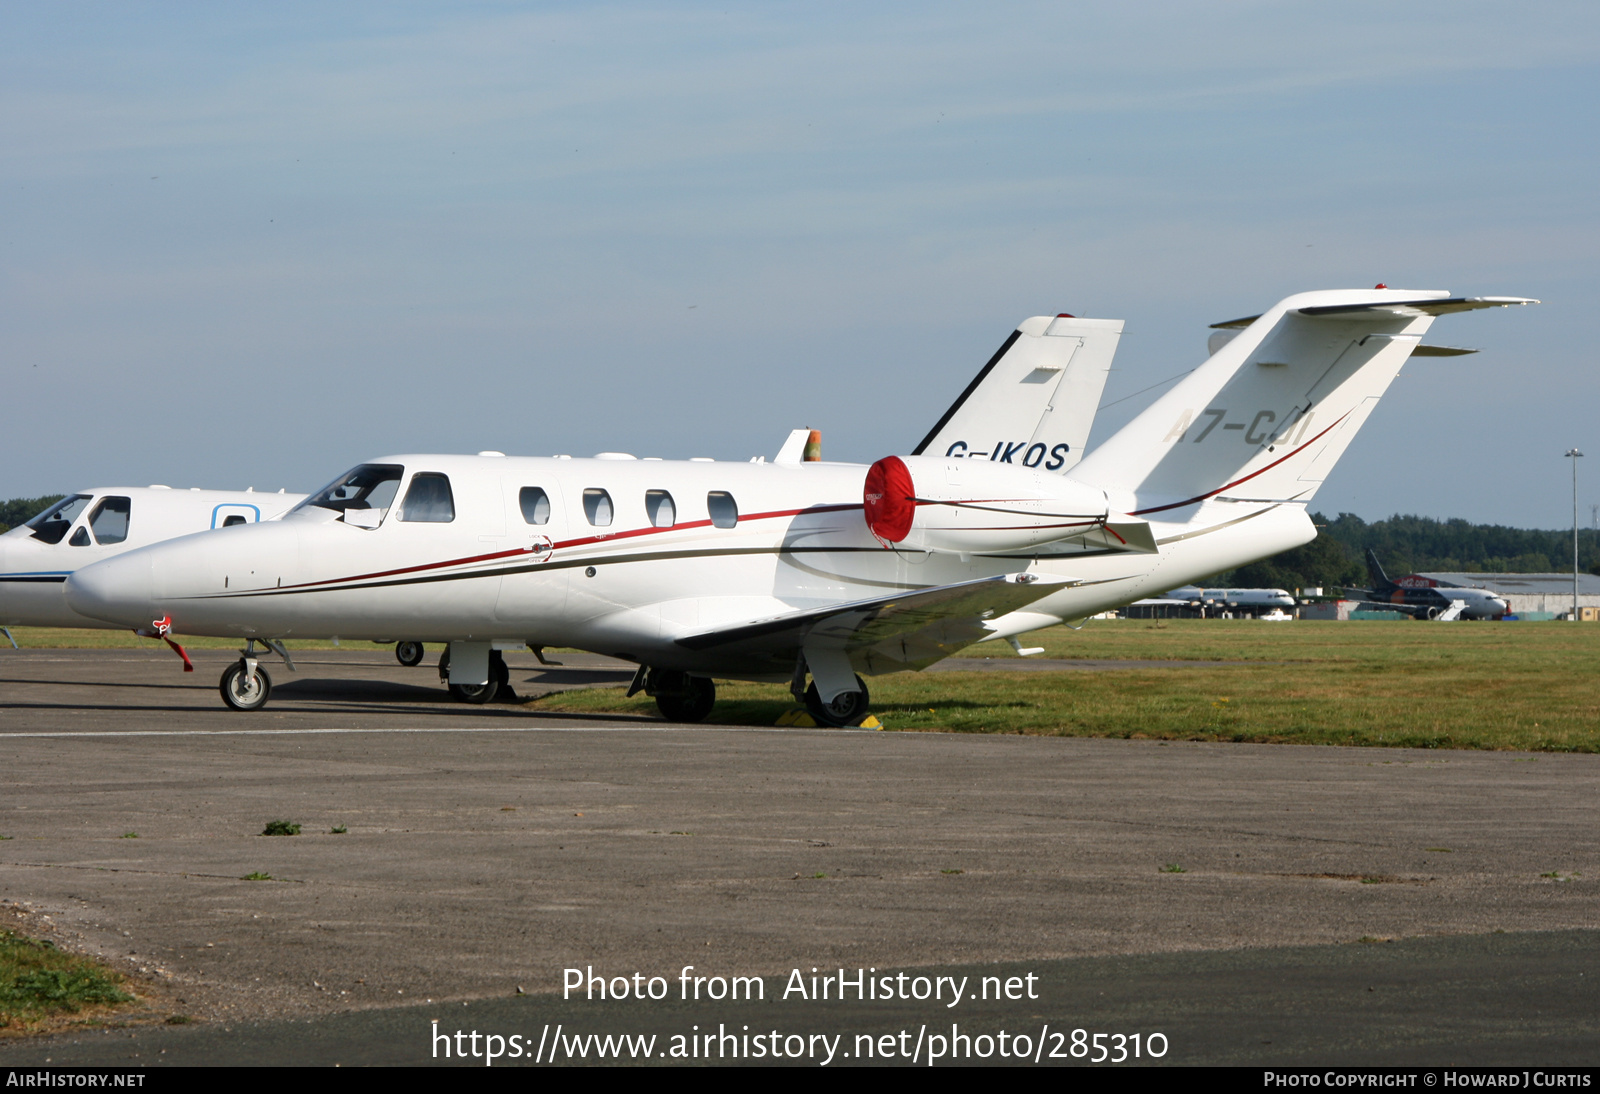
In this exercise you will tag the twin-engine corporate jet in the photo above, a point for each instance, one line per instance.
(795, 569)
(37, 557)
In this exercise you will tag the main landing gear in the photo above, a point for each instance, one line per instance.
(679, 696)
(848, 708)
(245, 684)
(684, 698)
(499, 682)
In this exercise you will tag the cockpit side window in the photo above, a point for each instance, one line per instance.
(428, 499)
(52, 524)
(370, 486)
(110, 520)
(80, 538)
(535, 505)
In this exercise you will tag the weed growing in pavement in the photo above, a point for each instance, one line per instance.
(281, 828)
(39, 981)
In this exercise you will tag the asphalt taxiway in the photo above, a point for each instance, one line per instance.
(487, 849)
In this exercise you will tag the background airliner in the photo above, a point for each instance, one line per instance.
(1424, 599)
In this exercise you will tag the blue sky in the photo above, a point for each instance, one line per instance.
(252, 246)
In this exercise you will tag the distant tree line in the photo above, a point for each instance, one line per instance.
(1410, 544)
(20, 510)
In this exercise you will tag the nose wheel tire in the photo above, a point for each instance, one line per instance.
(408, 654)
(243, 690)
(690, 703)
(847, 708)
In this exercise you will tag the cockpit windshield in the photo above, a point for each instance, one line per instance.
(53, 523)
(370, 486)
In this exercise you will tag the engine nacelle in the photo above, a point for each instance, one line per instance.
(957, 506)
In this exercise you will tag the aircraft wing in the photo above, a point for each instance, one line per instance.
(908, 630)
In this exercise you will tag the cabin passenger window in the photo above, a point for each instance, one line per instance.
(597, 507)
(535, 505)
(658, 504)
(231, 521)
(724, 510)
(110, 520)
(52, 524)
(429, 500)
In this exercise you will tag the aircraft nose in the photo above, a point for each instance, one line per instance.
(117, 590)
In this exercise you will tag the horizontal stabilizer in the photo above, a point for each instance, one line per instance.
(1417, 307)
(1267, 416)
(1422, 307)
(887, 634)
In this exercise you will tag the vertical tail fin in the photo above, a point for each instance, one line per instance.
(1272, 410)
(1034, 402)
(1380, 580)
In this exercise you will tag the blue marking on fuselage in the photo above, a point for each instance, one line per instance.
(234, 505)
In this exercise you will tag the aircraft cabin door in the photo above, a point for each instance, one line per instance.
(534, 588)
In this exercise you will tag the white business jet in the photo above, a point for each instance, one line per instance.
(792, 569)
(37, 557)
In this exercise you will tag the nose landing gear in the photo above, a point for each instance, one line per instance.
(408, 654)
(245, 685)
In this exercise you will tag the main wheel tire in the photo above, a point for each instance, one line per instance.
(408, 654)
(502, 676)
(847, 709)
(476, 694)
(243, 692)
(692, 704)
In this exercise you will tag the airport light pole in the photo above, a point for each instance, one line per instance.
(1573, 453)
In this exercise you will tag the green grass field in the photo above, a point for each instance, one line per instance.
(39, 982)
(1423, 685)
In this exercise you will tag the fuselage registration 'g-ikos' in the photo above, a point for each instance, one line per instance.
(792, 569)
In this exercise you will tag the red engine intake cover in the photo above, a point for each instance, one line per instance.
(889, 500)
